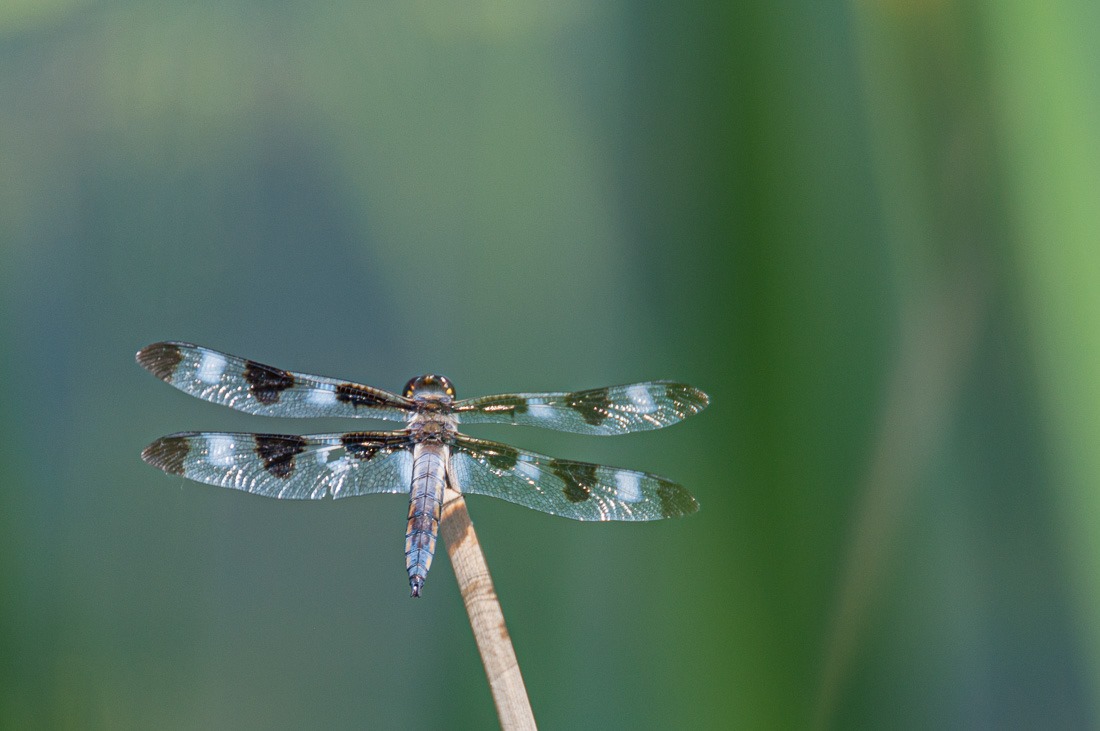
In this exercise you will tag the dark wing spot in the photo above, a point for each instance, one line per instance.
(675, 500)
(168, 454)
(278, 452)
(575, 492)
(502, 458)
(357, 447)
(357, 395)
(593, 406)
(160, 359)
(265, 382)
(688, 400)
(578, 477)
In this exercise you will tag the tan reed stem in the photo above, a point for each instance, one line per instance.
(486, 617)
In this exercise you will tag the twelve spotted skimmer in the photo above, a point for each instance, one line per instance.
(424, 457)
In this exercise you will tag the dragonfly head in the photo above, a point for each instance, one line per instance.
(429, 387)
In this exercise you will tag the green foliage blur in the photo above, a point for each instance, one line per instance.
(871, 231)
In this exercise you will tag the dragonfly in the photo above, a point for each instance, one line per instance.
(425, 457)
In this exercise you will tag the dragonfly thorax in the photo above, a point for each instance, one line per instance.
(432, 430)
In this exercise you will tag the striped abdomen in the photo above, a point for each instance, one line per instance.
(429, 475)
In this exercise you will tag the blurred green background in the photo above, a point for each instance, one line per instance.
(871, 231)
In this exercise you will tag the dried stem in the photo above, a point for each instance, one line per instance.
(486, 617)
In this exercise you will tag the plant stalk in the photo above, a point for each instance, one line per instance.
(486, 617)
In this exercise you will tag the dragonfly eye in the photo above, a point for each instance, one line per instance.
(429, 385)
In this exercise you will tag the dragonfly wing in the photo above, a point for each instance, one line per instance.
(256, 388)
(577, 490)
(287, 466)
(601, 411)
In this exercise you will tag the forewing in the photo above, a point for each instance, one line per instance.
(603, 411)
(577, 490)
(287, 466)
(256, 388)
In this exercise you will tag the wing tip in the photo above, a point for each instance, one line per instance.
(161, 359)
(167, 453)
(684, 394)
(676, 501)
(697, 399)
(694, 506)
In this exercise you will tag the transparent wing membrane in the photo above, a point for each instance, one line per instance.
(256, 388)
(602, 411)
(289, 467)
(577, 490)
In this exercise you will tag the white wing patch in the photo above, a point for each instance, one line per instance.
(336, 466)
(322, 396)
(540, 411)
(641, 398)
(528, 470)
(211, 367)
(219, 450)
(629, 486)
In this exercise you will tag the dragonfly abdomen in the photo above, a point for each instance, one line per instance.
(429, 476)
